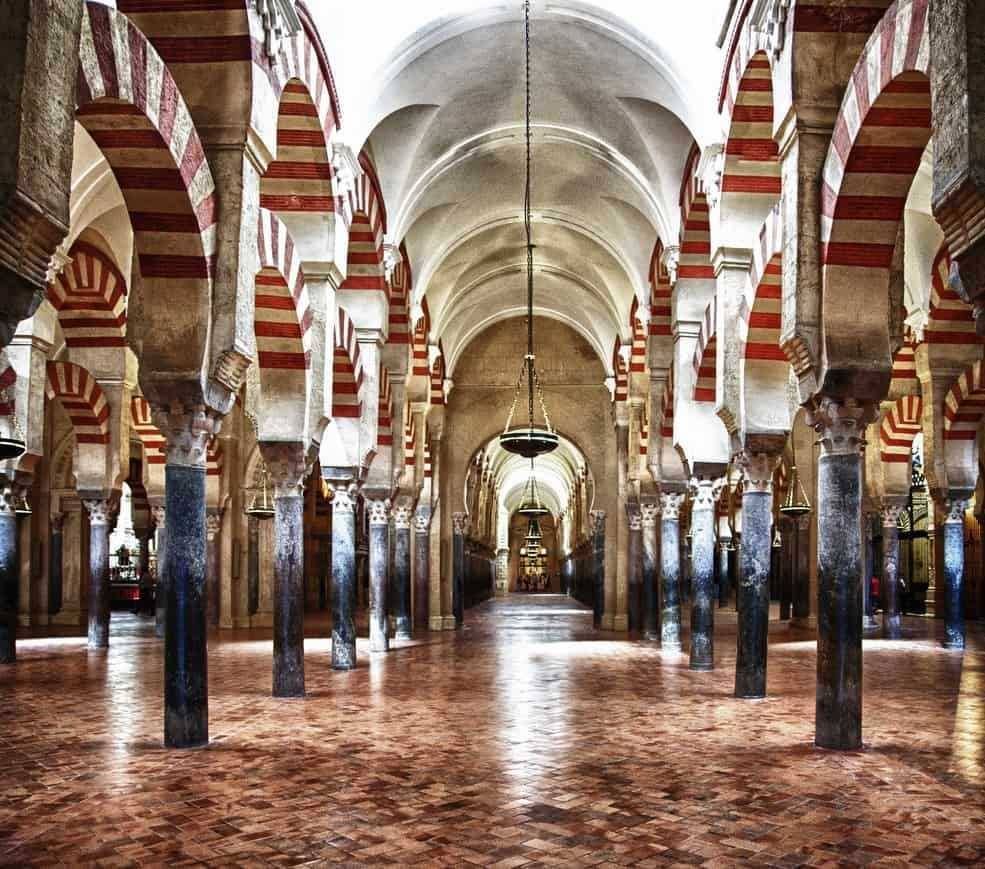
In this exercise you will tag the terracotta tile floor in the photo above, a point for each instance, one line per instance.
(526, 741)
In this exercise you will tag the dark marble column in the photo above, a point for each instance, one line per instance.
(9, 575)
(379, 551)
(253, 565)
(186, 696)
(649, 513)
(100, 516)
(802, 568)
(160, 587)
(703, 498)
(344, 578)
(752, 595)
(724, 547)
(892, 626)
(635, 568)
(838, 712)
(422, 569)
(954, 634)
(286, 466)
(670, 571)
(55, 574)
(213, 524)
(459, 523)
(401, 571)
(597, 520)
(868, 606)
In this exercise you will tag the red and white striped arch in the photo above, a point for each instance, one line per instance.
(752, 164)
(880, 135)
(644, 433)
(347, 371)
(410, 440)
(82, 399)
(282, 313)
(904, 374)
(705, 364)
(420, 366)
(428, 472)
(90, 296)
(130, 105)
(695, 253)
(899, 427)
(620, 372)
(637, 352)
(950, 321)
(964, 404)
(401, 287)
(660, 293)
(762, 306)
(437, 393)
(150, 435)
(367, 226)
(384, 428)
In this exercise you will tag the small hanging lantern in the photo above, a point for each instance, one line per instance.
(795, 502)
(534, 534)
(531, 505)
(262, 505)
(22, 506)
(12, 445)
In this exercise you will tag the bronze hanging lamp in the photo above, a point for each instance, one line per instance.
(530, 440)
(262, 505)
(532, 506)
(12, 445)
(795, 502)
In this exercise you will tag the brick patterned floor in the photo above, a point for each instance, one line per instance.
(528, 740)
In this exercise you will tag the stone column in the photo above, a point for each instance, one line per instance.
(56, 521)
(597, 519)
(100, 515)
(422, 569)
(401, 571)
(953, 536)
(782, 563)
(286, 466)
(253, 565)
(379, 551)
(868, 608)
(634, 568)
(892, 627)
(752, 599)
(160, 587)
(670, 572)
(801, 570)
(344, 578)
(838, 712)
(187, 433)
(703, 498)
(458, 521)
(651, 604)
(9, 574)
(724, 546)
(213, 523)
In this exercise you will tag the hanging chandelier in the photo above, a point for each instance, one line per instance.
(531, 505)
(795, 503)
(12, 445)
(262, 505)
(529, 440)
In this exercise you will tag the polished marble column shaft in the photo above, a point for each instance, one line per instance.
(379, 556)
(670, 571)
(344, 578)
(100, 515)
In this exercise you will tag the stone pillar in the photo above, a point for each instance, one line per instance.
(286, 466)
(838, 712)
(9, 575)
(801, 570)
(344, 578)
(954, 570)
(186, 699)
(724, 546)
(868, 608)
(892, 627)
(213, 523)
(253, 565)
(422, 569)
(458, 521)
(704, 495)
(100, 515)
(651, 604)
(379, 552)
(670, 571)
(56, 521)
(634, 568)
(597, 519)
(160, 587)
(752, 595)
(401, 571)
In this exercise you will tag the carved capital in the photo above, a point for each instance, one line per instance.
(422, 520)
(705, 492)
(634, 517)
(649, 513)
(460, 523)
(213, 522)
(890, 513)
(378, 510)
(187, 432)
(159, 514)
(345, 168)
(8, 498)
(671, 259)
(229, 370)
(670, 506)
(840, 423)
(955, 507)
(596, 521)
(402, 516)
(56, 521)
(100, 510)
(344, 500)
(757, 470)
(287, 465)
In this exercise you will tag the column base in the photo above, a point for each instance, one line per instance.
(651, 636)
(868, 623)
(620, 623)
(671, 647)
(436, 623)
(68, 618)
(608, 623)
(403, 634)
(954, 645)
(448, 623)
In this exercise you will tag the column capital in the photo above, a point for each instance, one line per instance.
(287, 464)
(705, 492)
(955, 507)
(213, 522)
(422, 520)
(187, 431)
(670, 505)
(634, 516)
(840, 422)
(378, 510)
(8, 497)
(100, 510)
(402, 515)
(596, 519)
(344, 499)
(459, 522)
(890, 511)
(757, 469)
(649, 512)
(55, 522)
(160, 515)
